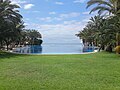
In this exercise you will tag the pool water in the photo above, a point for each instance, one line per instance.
(54, 48)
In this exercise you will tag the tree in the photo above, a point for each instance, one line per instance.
(110, 6)
(113, 8)
(100, 31)
(34, 37)
(30, 37)
(10, 20)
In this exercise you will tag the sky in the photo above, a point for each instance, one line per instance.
(57, 20)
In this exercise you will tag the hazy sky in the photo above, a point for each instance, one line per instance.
(57, 20)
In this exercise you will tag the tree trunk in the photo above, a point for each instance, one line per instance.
(109, 48)
(7, 46)
(102, 47)
(0, 46)
(117, 39)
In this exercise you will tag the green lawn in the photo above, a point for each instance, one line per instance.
(99, 71)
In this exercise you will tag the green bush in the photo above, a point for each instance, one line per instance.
(117, 49)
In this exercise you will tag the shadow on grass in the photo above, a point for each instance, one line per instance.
(8, 55)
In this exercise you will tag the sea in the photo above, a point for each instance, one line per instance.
(62, 48)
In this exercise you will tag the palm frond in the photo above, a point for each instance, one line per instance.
(100, 8)
(99, 2)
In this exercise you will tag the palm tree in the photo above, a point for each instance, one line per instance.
(10, 20)
(98, 30)
(111, 6)
(8, 12)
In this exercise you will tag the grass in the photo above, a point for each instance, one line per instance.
(99, 71)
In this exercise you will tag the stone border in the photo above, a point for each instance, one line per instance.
(95, 51)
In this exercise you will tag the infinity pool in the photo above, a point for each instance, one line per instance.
(54, 48)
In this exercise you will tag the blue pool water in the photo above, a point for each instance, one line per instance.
(54, 48)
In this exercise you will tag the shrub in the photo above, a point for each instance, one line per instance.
(117, 49)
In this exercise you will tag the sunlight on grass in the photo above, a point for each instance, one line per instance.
(100, 71)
